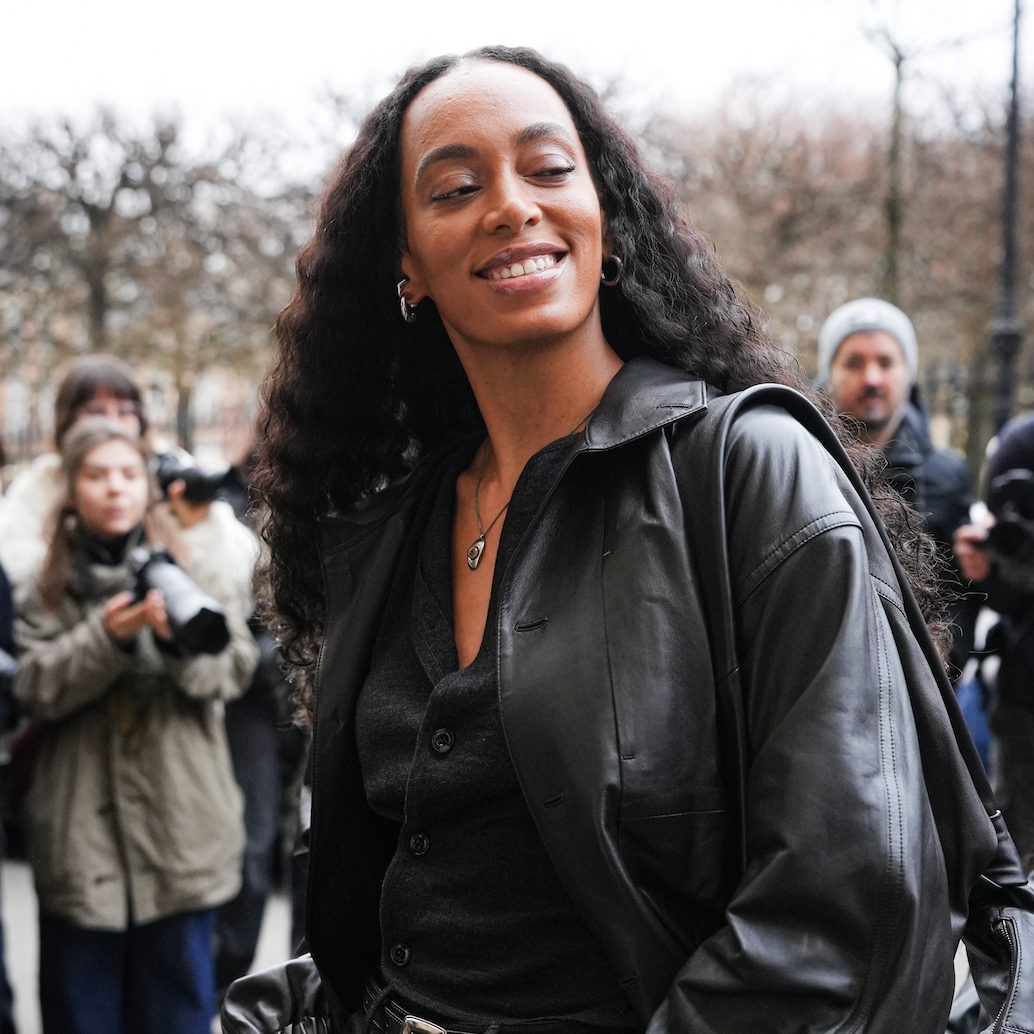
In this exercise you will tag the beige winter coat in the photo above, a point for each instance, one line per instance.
(133, 810)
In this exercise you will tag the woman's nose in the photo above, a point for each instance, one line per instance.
(512, 206)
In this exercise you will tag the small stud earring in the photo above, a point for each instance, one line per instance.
(616, 263)
(408, 311)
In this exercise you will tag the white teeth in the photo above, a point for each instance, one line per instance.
(531, 265)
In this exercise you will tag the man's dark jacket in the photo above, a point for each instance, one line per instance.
(935, 482)
(802, 878)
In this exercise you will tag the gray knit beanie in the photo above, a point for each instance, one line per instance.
(859, 316)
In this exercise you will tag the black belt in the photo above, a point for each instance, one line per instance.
(387, 1015)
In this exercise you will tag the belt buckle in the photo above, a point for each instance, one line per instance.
(416, 1025)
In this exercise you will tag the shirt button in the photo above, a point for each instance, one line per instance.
(400, 954)
(419, 844)
(442, 741)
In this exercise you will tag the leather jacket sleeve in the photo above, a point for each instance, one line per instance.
(287, 999)
(844, 889)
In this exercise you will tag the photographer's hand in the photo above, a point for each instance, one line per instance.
(974, 563)
(124, 619)
(154, 606)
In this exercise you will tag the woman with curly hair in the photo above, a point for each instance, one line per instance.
(618, 690)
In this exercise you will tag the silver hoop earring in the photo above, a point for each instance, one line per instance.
(408, 311)
(611, 281)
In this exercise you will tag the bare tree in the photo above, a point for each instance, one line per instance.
(134, 245)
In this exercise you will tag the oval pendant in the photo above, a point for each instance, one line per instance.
(474, 553)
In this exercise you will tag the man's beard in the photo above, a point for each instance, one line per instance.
(880, 422)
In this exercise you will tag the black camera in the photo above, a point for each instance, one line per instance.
(202, 486)
(198, 623)
(1011, 541)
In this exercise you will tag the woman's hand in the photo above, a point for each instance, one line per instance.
(124, 619)
(974, 562)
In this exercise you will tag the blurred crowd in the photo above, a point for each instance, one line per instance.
(154, 768)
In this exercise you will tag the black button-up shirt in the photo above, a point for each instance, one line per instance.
(474, 919)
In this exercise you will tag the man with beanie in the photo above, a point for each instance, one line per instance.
(868, 364)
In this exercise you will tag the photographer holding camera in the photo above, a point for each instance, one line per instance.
(998, 559)
(133, 817)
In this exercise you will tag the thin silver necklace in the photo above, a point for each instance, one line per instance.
(477, 547)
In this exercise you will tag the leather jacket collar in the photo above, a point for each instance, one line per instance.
(642, 396)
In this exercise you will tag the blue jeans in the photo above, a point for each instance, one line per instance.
(156, 978)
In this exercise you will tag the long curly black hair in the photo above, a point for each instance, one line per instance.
(356, 395)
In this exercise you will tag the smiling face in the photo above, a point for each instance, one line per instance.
(110, 489)
(503, 224)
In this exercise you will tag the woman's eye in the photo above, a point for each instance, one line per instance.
(555, 171)
(454, 192)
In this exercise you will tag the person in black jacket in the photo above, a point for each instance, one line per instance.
(999, 558)
(869, 363)
(614, 713)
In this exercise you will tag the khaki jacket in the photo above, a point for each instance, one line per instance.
(133, 813)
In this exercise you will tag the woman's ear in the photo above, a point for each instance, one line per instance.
(414, 291)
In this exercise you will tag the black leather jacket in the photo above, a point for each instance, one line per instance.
(814, 891)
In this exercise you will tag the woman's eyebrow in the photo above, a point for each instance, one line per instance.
(448, 152)
(538, 130)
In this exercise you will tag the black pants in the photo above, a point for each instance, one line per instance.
(1013, 726)
(254, 749)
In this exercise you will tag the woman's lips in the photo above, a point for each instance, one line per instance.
(524, 269)
(522, 260)
(518, 269)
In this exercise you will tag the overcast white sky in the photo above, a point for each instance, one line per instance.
(209, 58)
